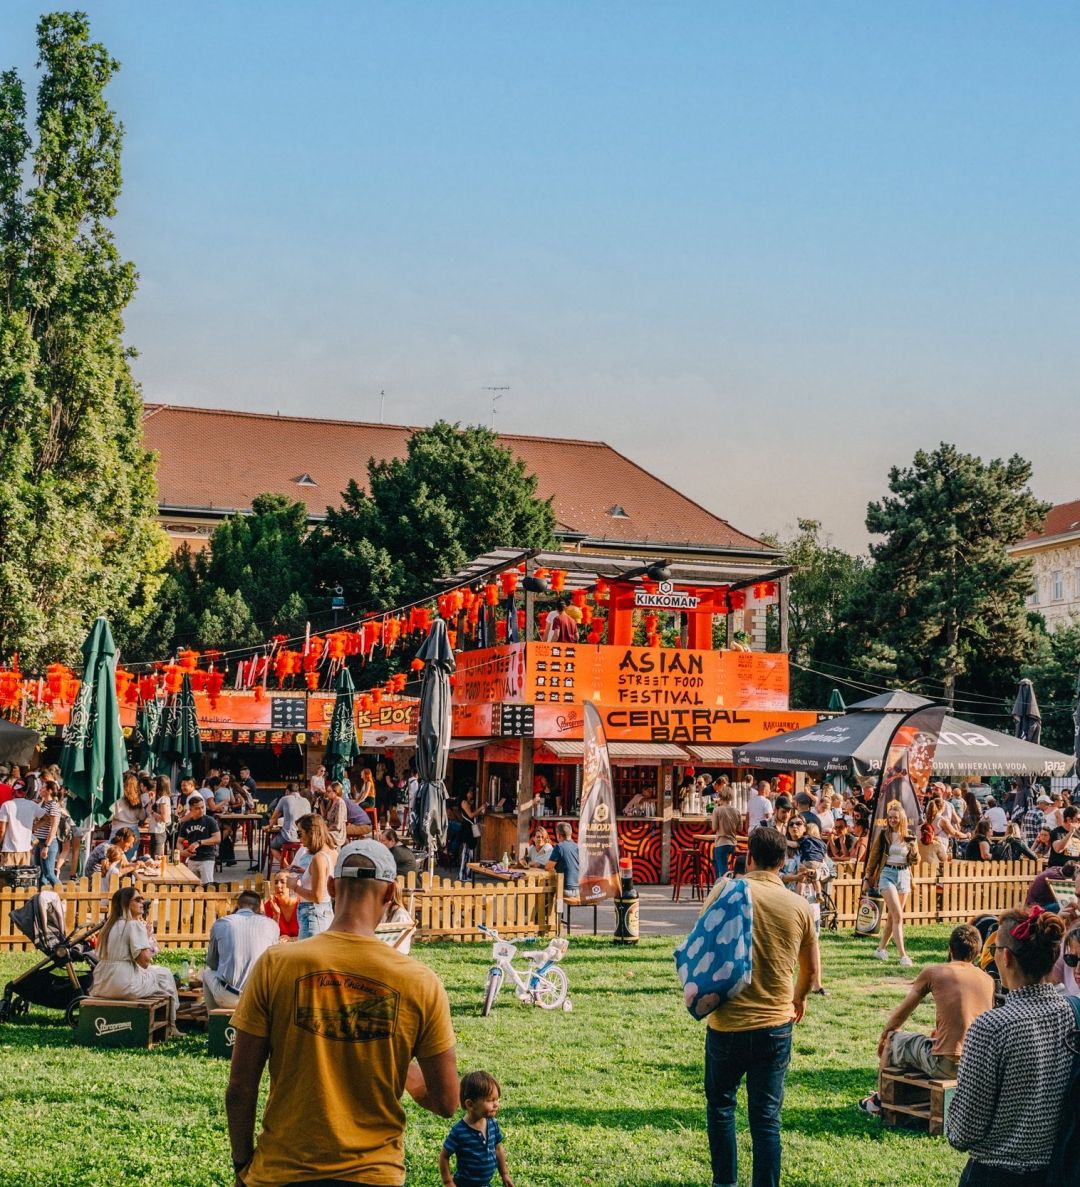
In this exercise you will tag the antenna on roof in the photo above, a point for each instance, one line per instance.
(497, 394)
(382, 405)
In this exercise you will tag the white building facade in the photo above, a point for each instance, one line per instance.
(1055, 557)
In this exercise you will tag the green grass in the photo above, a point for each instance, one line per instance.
(609, 1094)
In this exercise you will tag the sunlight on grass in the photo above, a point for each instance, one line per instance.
(608, 1094)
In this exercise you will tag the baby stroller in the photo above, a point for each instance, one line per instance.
(53, 982)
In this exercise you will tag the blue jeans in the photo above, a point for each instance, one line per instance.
(721, 856)
(313, 918)
(45, 856)
(763, 1057)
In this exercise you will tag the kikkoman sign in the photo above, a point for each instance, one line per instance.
(665, 598)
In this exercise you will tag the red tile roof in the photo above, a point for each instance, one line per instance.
(218, 459)
(1062, 519)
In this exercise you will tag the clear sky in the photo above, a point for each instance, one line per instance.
(767, 250)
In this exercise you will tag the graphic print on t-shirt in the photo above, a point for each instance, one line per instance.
(345, 1007)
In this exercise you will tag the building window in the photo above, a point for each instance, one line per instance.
(305, 479)
(1058, 585)
(1033, 597)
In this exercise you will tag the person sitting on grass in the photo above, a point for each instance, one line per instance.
(125, 969)
(961, 992)
(476, 1140)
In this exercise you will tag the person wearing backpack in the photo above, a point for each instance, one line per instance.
(750, 1034)
(1016, 1063)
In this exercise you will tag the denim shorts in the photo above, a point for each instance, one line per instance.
(900, 879)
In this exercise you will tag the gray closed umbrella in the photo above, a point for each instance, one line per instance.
(1076, 722)
(1028, 718)
(17, 744)
(433, 738)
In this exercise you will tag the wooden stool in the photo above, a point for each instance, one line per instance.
(908, 1098)
(687, 873)
(104, 1022)
(572, 900)
(220, 1034)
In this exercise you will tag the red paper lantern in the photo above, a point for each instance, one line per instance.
(653, 640)
(509, 581)
(311, 679)
(491, 594)
(578, 598)
(600, 589)
(417, 665)
(558, 580)
(500, 631)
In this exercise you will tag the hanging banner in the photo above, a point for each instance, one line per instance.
(908, 764)
(598, 839)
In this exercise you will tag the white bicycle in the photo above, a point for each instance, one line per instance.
(543, 984)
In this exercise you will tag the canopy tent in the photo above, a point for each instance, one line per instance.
(17, 744)
(854, 745)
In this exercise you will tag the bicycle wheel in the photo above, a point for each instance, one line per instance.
(491, 992)
(549, 992)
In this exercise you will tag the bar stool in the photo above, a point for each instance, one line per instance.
(285, 855)
(687, 873)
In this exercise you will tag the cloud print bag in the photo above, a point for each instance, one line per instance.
(715, 961)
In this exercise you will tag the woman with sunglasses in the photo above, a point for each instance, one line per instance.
(1065, 973)
(125, 970)
(1016, 1062)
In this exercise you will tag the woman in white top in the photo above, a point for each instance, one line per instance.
(315, 911)
(538, 852)
(159, 816)
(128, 812)
(892, 854)
(125, 971)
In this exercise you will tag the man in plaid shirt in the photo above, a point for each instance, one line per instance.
(1034, 819)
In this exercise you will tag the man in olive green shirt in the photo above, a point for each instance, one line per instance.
(751, 1034)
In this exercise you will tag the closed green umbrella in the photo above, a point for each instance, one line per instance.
(178, 739)
(836, 702)
(147, 720)
(341, 745)
(93, 759)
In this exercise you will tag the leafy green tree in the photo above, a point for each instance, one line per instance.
(456, 494)
(78, 508)
(1054, 673)
(822, 588)
(944, 601)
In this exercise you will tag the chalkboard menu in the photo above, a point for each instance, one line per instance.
(516, 721)
(288, 713)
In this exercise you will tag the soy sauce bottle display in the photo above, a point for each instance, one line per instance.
(626, 905)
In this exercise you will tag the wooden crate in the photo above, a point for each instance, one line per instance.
(104, 1022)
(220, 1034)
(908, 1098)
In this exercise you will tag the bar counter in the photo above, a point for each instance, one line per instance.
(648, 841)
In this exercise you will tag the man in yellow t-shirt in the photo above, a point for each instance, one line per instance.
(341, 1017)
(750, 1035)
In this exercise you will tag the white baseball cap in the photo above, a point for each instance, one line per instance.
(1044, 799)
(365, 859)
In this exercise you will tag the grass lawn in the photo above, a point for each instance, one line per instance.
(608, 1095)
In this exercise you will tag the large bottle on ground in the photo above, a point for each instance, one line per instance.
(626, 905)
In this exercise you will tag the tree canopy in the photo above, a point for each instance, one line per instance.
(943, 600)
(78, 513)
(456, 494)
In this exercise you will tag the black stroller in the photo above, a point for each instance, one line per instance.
(53, 982)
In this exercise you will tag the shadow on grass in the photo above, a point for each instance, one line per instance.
(614, 1119)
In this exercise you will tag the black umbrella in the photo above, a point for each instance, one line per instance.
(1076, 722)
(433, 738)
(178, 739)
(17, 744)
(341, 745)
(1028, 718)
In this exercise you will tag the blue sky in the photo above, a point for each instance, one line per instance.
(766, 250)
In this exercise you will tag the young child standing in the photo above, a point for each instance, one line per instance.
(476, 1139)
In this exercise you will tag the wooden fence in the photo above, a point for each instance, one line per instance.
(953, 893)
(182, 916)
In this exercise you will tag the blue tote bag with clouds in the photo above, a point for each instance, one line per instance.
(715, 961)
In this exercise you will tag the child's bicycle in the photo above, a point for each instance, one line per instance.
(543, 985)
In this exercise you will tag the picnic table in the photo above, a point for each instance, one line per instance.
(174, 875)
(254, 822)
(478, 867)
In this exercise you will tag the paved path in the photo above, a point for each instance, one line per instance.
(658, 914)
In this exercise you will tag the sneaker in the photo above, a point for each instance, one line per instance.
(871, 1105)
(822, 992)
(906, 962)
(880, 954)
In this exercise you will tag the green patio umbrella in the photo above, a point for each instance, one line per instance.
(94, 759)
(178, 739)
(147, 720)
(341, 744)
(836, 702)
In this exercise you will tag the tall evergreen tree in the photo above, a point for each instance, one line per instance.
(456, 494)
(944, 600)
(78, 524)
